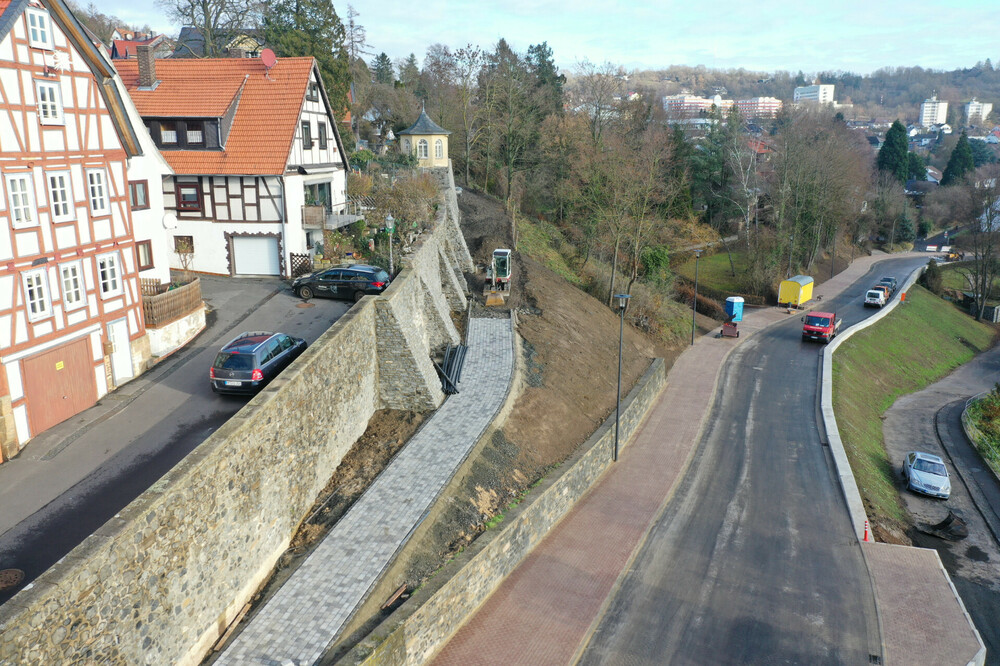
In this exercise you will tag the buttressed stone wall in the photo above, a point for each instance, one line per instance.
(161, 581)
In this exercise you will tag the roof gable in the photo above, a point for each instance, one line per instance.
(100, 67)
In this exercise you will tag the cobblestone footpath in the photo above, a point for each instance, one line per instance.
(307, 613)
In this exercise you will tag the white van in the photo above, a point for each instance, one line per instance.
(874, 298)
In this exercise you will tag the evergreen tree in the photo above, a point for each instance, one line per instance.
(548, 81)
(960, 163)
(893, 155)
(916, 167)
(409, 74)
(382, 71)
(312, 28)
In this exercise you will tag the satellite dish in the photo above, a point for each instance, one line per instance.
(268, 58)
(169, 221)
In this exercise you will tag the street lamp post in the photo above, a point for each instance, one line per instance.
(622, 304)
(390, 226)
(694, 305)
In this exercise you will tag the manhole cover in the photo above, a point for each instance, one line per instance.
(306, 305)
(10, 578)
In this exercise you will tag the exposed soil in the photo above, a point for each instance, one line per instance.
(569, 344)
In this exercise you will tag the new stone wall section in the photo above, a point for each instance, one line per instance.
(160, 582)
(427, 620)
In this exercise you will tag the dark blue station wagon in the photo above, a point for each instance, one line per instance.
(248, 362)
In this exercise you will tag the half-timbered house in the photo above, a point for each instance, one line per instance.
(257, 157)
(71, 322)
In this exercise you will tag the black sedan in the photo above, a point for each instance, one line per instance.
(248, 362)
(349, 282)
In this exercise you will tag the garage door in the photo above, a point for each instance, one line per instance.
(59, 384)
(256, 255)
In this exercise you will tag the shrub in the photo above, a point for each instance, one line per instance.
(932, 279)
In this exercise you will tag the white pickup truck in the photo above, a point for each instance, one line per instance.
(874, 298)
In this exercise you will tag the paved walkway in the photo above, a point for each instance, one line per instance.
(307, 613)
(544, 611)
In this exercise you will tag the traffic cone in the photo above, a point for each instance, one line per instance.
(867, 538)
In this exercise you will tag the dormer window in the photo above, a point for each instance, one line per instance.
(195, 133)
(168, 133)
(39, 29)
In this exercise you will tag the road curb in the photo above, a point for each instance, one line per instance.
(848, 484)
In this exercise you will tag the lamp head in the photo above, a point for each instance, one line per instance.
(622, 301)
(390, 223)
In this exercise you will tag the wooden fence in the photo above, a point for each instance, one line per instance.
(162, 303)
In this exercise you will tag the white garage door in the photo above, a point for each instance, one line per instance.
(256, 255)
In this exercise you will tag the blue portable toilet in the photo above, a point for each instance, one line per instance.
(734, 308)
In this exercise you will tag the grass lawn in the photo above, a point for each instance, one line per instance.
(714, 271)
(538, 239)
(951, 278)
(920, 342)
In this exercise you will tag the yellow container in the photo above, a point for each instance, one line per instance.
(795, 291)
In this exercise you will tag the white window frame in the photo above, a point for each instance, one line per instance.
(39, 26)
(74, 291)
(48, 99)
(438, 149)
(97, 192)
(21, 200)
(61, 205)
(423, 149)
(37, 281)
(109, 285)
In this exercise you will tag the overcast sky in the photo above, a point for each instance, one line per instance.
(765, 35)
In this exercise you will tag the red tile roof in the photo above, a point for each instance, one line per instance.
(266, 118)
(126, 47)
(3, 5)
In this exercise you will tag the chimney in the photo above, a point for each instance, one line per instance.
(147, 67)
(237, 53)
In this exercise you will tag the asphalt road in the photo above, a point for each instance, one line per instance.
(755, 559)
(64, 488)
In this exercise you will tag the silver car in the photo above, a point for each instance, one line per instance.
(926, 473)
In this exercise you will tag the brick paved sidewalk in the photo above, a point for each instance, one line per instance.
(544, 611)
(308, 612)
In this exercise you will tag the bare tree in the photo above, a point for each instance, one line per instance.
(620, 187)
(356, 44)
(598, 87)
(218, 21)
(982, 243)
(468, 62)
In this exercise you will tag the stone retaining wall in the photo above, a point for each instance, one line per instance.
(426, 621)
(161, 581)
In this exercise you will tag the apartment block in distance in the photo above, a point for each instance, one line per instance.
(818, 94)
(933, 112)
(976, 112)
(759, 107)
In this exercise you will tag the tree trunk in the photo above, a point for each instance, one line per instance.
(614, 272)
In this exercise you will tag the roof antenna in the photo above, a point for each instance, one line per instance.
(268, 58)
